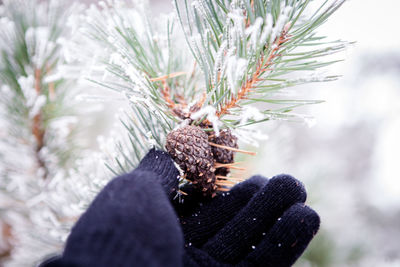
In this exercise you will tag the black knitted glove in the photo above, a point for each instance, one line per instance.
(132, 222)
(259, 222)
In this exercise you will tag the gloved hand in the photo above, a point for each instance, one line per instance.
(134, 222)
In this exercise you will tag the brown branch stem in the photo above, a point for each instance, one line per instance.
(225, 183)
(38, 130)
(249, 84)
(177, 108)
(222, 189)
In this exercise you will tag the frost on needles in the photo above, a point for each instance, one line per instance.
(239, 60)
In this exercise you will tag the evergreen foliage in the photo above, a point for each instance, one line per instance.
(240, 58)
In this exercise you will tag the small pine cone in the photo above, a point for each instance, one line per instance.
(189, 147)
(225, 138)
(205, 183)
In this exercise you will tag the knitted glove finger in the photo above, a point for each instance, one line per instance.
(286, 240)
(56, 261)
(205, 219)
(194, 200)
(131, 220)
(161, 164)
(235, 240)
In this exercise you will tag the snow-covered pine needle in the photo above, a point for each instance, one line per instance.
(255, 49)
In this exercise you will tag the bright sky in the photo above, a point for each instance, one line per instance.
(374, 25)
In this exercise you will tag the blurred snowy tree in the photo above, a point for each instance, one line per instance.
(37, 137)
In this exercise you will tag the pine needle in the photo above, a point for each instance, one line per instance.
(229, 178)
(165, 77)
(233, 149)
(223, 189)
(229, 166)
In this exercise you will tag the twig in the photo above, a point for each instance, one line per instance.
(181, 100)
(229, 178)
(229, 166)
(37, 128)
(223, 189)
(176, 108)
(165, 91)
(199, 103)
(164, 77)
(226, 183)
(233, 149)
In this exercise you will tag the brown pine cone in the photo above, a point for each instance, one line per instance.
(205, 184)
(225, 138)
(190, 149)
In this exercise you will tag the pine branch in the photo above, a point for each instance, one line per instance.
(245, 52)
(37, 128)
(249, 49)
(250, 84)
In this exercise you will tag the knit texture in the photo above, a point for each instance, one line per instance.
(160, 163)
(133, 222)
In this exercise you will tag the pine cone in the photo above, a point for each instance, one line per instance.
(225, 138)
(189, 147)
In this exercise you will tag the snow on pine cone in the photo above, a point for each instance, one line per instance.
(190, 149)
(221, 155)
